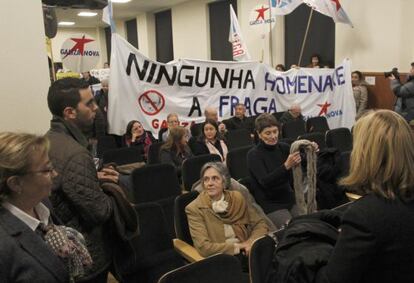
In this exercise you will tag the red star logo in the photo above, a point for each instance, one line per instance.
(79, 46)
(324, 108)
(261, 13)
(338, 5)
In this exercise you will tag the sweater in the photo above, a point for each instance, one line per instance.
(270, 178)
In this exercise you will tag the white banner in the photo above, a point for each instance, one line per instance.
(147, 91)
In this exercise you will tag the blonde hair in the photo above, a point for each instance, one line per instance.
(382, 160)
(16, 150)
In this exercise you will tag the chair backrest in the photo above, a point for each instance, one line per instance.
(191, 168)
(319, 138)
(317, 124)
(293, 129)
(180, 217)
(154, 153)
(105, 143)
(238, 138)
(125, 155)
(196, 129)
(278, 115)
(160, 133)
(155, 182)
(345, 162)
(260, 259)
(340, 138)
(220, 268)
(237, 162)
(154, 237)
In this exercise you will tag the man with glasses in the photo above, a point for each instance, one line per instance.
(173, 122)
(77, 197)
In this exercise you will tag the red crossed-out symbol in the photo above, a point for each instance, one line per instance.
(151, 102)
(261, 13)
(324, 108)
(79, 45)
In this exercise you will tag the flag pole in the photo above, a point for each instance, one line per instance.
(270, 34)
(305, 37)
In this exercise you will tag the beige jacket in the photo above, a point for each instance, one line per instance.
(207, 229)
(361, 98)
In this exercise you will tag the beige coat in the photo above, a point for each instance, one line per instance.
(207, 229)
(361, 98)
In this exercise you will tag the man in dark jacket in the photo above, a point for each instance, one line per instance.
(77, 197)
(404, 94)
(239, 120)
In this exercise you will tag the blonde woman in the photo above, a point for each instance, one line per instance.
(376, 239)
(29, 248)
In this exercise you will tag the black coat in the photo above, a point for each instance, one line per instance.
(306, 245)
(25, 257)
(375, 244)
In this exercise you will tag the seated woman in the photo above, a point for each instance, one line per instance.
(176, 150)
(375, 243)
(269, 164)
(32, 248)
(220, 220)
(135, 135)
(210, 141)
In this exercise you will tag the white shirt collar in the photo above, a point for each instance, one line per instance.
(41, 210)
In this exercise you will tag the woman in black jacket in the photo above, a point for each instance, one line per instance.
(375, 243)
(269, 164)
(135, 135)
(210, 141)
(176, 150)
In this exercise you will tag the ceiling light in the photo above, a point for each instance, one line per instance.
(87, 14)
(66, 23)
(120, 1)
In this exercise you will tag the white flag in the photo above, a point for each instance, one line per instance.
(107, 16)
(240, 52)
(284, 7)
(330, 8)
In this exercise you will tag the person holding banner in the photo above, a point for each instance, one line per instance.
(135, 135)
(269, 164)
(210, 141)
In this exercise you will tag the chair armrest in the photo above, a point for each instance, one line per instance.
(187, 251)
(352, 196)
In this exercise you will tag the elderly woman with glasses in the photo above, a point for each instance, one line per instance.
(28, 245)
(219, 219)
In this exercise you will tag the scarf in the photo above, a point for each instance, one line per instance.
(235, 214)
(213, 150)
(70, 246)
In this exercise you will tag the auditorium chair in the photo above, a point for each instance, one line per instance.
(104, 144)
(154, 153)
(319, 138)
(317, 124)
(278, 115)
(238, 138)
(155, 254)
(124, 155)
(237, 162)
(157, 183)
(340, 138)
(293, 129)
(220, 268)
(191, 168)
(261, 259)
(183, 244)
